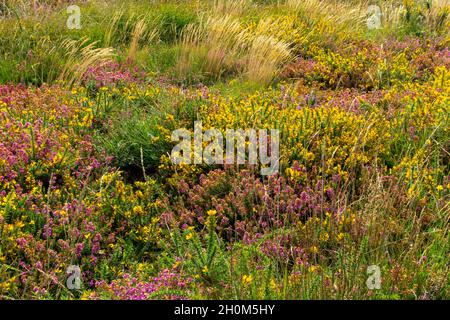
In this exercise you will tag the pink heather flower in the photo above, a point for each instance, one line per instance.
(304, 197)
(79, 249)
(22, 242)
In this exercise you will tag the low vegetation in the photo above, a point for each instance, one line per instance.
(362, 104)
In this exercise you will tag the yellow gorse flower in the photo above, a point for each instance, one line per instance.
(247, 279)
(211, 212)
(138, 210)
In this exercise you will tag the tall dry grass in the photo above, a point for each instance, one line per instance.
(80, 55)
(112, 28)
(351, 16)
(230, 7)
(264, 58)
(141, 32)
(336, 14)
(222, 45)
(212, 45)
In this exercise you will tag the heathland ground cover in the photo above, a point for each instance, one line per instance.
(92, 207)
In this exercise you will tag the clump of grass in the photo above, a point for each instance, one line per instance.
(172, 19)
(139, 125)
(112, 28)
(135, 141)
(264, 58)
(331, 16)
(80, 55)
(222, 46)
(230, 7)
(212, 46)
(349, 19)
(140, 31)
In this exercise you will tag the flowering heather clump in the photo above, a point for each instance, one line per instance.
(112, 74)
(168, 284)
(246, 207)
